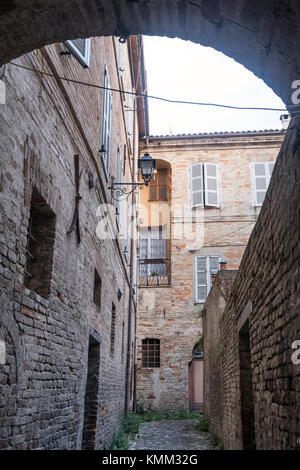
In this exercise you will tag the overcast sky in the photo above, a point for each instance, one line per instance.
(178, 69)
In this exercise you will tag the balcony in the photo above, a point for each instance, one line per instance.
(155, 272)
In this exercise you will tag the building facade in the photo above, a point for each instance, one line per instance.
(68, 308)
(195, 218)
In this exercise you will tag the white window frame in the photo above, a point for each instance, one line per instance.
(130, 115)
(122, 58)
(204, 189)
(268, 174)
(208, 276)
(84, 60)
(106, 124)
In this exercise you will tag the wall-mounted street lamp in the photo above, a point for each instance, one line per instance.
(146, 165)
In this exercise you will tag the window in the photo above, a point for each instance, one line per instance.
(204, 185)
(97, 289)
(80, 48)
(261, 175)
(153, 246)
(127, 226)
(122, 47)
(205, 266)
(150, 353)
(40, 246)
(159, 186)
(130, 114)
(113, 330)
(106, 130)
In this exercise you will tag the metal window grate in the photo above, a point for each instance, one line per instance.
(150, 353)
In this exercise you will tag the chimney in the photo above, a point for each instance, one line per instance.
(285, 119)
(223, 265)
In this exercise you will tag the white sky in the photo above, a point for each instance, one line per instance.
(178, 69)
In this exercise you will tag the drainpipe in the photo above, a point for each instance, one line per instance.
(132, 246)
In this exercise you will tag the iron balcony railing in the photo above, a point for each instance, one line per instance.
(155, 272)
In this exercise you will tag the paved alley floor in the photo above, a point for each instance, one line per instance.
(170, 435)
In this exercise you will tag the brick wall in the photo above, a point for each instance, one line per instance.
(212, 314)
(266, 295)
(43, 125)
(172, 314)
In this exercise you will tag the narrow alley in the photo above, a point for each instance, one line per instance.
(171, 435)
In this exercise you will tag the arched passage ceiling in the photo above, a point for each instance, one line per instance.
(263, 35)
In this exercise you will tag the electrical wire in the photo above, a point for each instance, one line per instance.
(229, 233)
(144, 95)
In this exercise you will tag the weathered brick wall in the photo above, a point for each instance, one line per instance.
(212, 313)
(171, 314)
(266, 293)
(43, 382)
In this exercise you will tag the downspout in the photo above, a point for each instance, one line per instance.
(132, 246)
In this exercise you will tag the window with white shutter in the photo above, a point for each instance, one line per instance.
(80, 48)
(197, 185)
(205, 185)
(205, 267)
(106, 130)
(261, 175)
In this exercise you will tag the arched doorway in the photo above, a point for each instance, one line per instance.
(257, 34)
(196, 380)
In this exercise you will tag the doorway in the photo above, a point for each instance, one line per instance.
(91, 395)
(196, 381)
(246, 390)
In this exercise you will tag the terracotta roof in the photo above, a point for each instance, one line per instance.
(216, 134)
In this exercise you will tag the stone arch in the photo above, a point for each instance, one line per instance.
(261, 35)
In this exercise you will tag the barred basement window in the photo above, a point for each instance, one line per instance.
(150, 353)
(97, 289)
(113, 330)
(40, 246)
(80, 48)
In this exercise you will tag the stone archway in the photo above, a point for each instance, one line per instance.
(261, 34)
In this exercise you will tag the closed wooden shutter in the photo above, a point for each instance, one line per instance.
(163, 185)
(196, 175)
(211, 184)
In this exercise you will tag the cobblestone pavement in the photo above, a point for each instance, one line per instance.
(170, 435)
